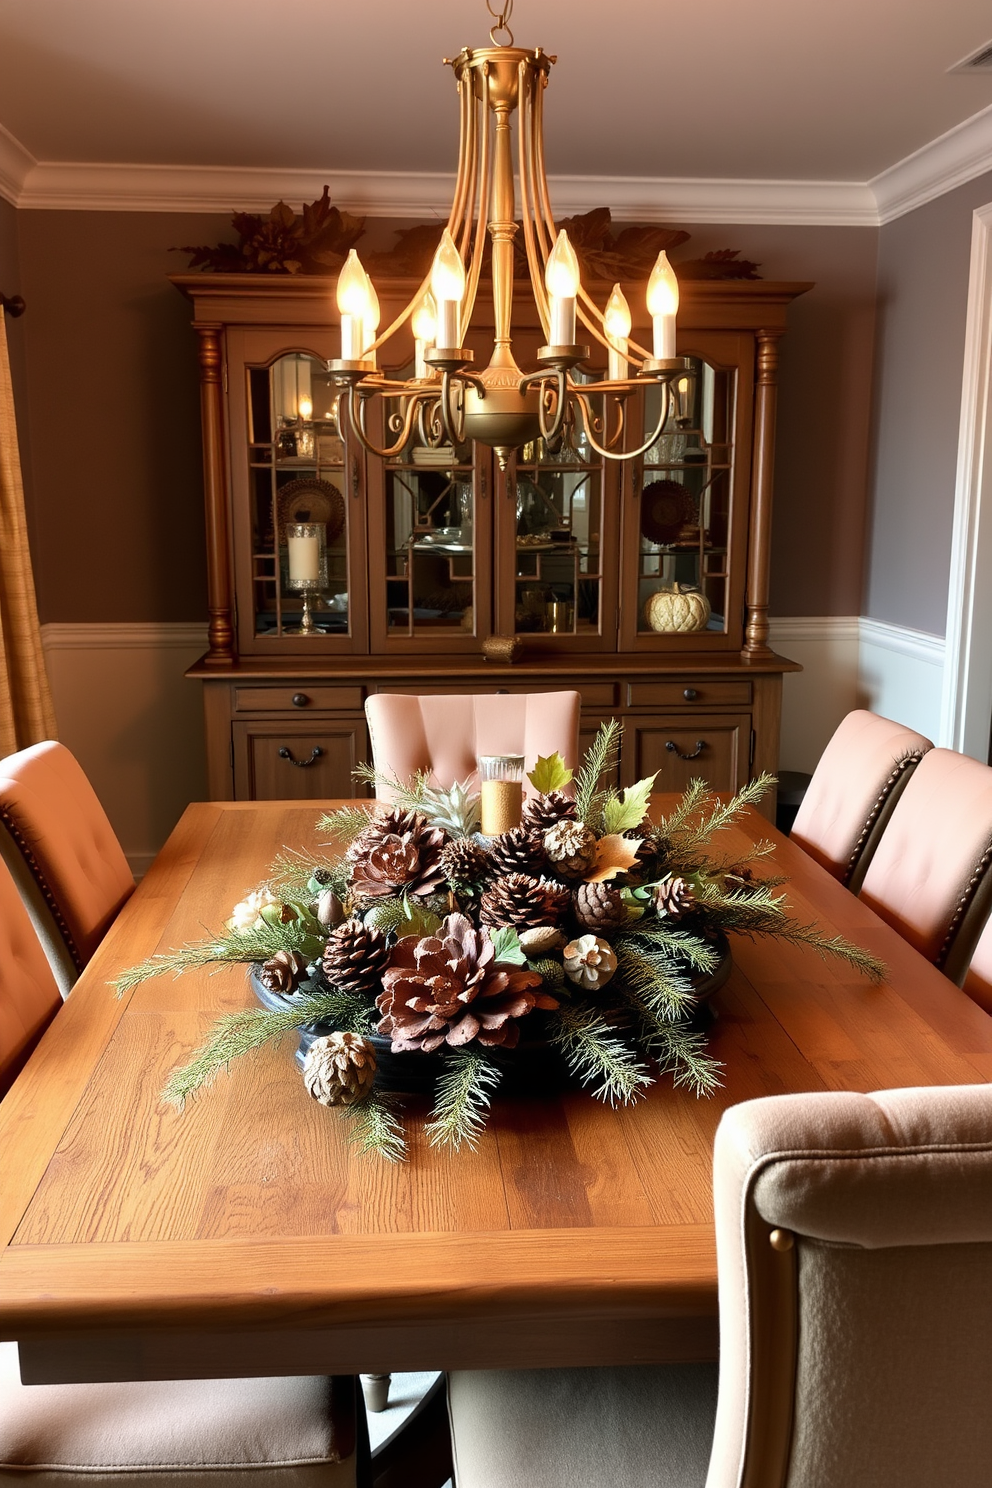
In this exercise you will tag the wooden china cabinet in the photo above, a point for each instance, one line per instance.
(431, 552)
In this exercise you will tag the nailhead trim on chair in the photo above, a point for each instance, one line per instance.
(903, 764)
(984, 862)
(43, 885)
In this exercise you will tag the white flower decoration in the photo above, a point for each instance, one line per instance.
(245, 916)
(589, 961)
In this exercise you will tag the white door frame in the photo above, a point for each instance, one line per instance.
(966, 702)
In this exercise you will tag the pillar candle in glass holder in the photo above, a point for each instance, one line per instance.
(303, 541)
(502, 777)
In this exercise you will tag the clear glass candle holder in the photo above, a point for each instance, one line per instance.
(502, 777)
(306, 544)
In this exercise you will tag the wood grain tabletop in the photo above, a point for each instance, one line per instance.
(243, 1236)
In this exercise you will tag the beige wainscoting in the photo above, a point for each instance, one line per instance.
(125, 709)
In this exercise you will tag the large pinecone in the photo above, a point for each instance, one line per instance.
(339, 1069)
(541, 812)
(523, 901)
(401, 863)
(517, 852)
(283, 972)
(571, 846)
(449, 988)
(355, 957)
(673, 898)
(465, 864)
(599, 907)
(388, 821)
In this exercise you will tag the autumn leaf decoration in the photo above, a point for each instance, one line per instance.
(317, 241)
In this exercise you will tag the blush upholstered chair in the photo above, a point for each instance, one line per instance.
(978, 978)
(446, 734)
(854, 1243)
(929, 876)
(855, 786)
(242, 1433)
(63, 853)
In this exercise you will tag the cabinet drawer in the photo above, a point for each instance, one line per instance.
(715, 749)
(696, 691)
(301, 698)
(283, 762)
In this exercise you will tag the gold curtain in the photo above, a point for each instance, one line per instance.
(26, 713)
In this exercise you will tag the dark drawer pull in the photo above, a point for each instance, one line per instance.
(690, 694)
(700, 746)
(300, 699)
(315, 754)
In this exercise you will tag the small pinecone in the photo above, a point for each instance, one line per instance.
(465, 864)
(571, 846)
(541, 812)
(673, 898)
(649, 858)
(355, 957)
(339, 1069)
(599, 907)
(523, 901)
(283, 972)
(517, 852)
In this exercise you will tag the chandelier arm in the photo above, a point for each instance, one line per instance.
(463, 204)
(432, 433)
(358, 428)
(588, 419)
(558, 384)
(478, 252)
(453, 427)
(527, 205)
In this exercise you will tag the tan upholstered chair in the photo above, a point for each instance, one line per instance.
(242, 1433)
(929, 876)
(861, 774)
(854, 1240)
(978, 978)
(446, 734)
(63, 853)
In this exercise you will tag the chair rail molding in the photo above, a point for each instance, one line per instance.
(966, 703)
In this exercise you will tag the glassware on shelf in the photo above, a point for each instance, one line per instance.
(306, 544)
(502, 777)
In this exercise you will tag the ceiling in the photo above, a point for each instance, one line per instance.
(774, 90)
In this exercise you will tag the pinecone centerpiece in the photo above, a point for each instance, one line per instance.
(523, 901)
(339, 1069)
(465, 865)
(407, 862)
(517, 851)
(355, 958)
(449, 988)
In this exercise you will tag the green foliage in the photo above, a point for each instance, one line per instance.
(649, 934)
(291, 872)
(347, 822)
(375, 1127)
(454, 808)
(242, 1032)
(256, 944)
(627, 810)
(754, 909)
(552, 972)
(549, 774)
(682, 1054)
(658, 983)
(601, 759)
(597, 1056)
(462, 1100)
(701, 814)
(507, 945)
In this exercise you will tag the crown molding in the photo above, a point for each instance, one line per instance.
(79, 186)
(951, 160)
(16, 164)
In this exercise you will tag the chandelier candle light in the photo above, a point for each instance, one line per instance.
(446, 402)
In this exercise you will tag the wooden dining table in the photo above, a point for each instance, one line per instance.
(244, 1236)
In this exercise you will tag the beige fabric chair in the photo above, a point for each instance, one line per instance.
(929, 877)
(861, 774)
(63, 853)
(854, 1240)
(446, 734)
(244, 1433)
(978, 978)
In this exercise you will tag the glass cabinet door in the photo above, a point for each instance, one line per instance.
(296, 539)
(684, 542)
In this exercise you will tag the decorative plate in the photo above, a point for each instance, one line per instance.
(310, 499)
(666, 507)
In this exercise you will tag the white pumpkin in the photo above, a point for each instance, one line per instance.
(677, 610)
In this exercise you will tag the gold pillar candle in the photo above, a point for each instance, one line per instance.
(502, 792)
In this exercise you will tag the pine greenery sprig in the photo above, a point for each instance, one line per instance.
(754, 910)
(601, 757)
(658, 982)
(243, 1032)
(462, 1099)
(291, 871)
(257, 944)
(375, 1127)
(595, 1054)
(682, 1054)
(347, 821)
(700, 954)
(689, 831)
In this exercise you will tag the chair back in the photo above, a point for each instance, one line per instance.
(929, 877)
(861, 774)
(445, 734)
(65, 846)
(978, 978)
(854, 1240)
(29, 997)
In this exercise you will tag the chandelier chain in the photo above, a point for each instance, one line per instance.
(501, 15)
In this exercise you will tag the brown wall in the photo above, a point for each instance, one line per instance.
(114, 425)
(922, 302)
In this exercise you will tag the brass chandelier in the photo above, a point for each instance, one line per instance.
(446, 401)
